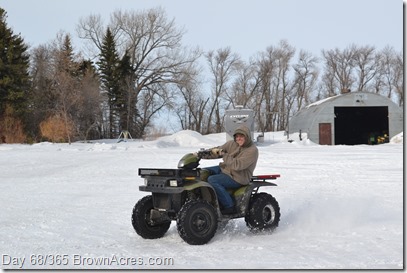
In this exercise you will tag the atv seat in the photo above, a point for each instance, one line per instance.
(257, 178)
(241, 190)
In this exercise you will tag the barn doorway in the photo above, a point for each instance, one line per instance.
(361, 125)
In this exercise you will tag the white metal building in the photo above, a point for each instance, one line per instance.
(349, 119)
(236, 117)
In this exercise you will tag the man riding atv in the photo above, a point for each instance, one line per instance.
(239, 161)
(197, 199)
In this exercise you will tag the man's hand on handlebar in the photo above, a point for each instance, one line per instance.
(203, 153)
(210, 153)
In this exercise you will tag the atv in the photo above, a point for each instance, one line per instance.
(183, 195)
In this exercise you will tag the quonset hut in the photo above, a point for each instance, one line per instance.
(349, 119)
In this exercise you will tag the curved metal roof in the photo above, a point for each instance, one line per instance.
(307, 119)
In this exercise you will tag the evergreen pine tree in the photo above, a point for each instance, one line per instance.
(124, 98)
(66, 61)
(14, 77)
(109, 76)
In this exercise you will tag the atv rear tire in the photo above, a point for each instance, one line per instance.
(197, 222)
(263, 213)
(141, 220)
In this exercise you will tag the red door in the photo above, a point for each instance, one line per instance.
(325, 134)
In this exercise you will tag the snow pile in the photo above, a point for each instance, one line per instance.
(186, 138)
(397, 139)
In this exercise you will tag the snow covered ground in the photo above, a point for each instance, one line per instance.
(69, 207)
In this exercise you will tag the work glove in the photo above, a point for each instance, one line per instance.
(203, 153)
(217, 152)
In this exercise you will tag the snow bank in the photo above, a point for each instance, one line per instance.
(398, 139)
(341, 206)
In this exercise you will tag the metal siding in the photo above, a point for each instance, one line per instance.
(308, 119)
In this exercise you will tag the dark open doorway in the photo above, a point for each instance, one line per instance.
(360, 125)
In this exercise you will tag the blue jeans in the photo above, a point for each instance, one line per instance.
(220, 182)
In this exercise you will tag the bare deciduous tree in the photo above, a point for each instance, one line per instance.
(156, 55)
(244, 86)
(65, 87)
(282, 85)
(275, 87)
(398, 79)
(190, 108)
(89, 112)
(339, 67)
(222, 65)
(42, 98)
(366, 66)
(305, 78)
(265, 71)
(390, 72)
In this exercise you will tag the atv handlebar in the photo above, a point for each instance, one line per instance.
(210, 153)
(202, 153)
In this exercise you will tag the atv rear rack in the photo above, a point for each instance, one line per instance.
(264, 177)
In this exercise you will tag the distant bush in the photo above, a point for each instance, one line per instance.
(56, 129)
(11, 128)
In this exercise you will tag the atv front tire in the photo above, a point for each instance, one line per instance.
(141, 220)
(263, 213)
(197, 222)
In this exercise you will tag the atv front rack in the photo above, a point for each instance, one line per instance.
(176, 173)
(160, 179)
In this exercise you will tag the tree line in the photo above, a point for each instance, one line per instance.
(137, 68)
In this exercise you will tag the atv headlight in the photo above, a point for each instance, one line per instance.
(173, 183)
(145, 181)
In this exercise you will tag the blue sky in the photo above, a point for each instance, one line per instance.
(248, 27)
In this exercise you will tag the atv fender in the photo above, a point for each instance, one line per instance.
(243, 194)
(206, 190)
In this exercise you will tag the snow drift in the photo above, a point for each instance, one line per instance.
(69, 206)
